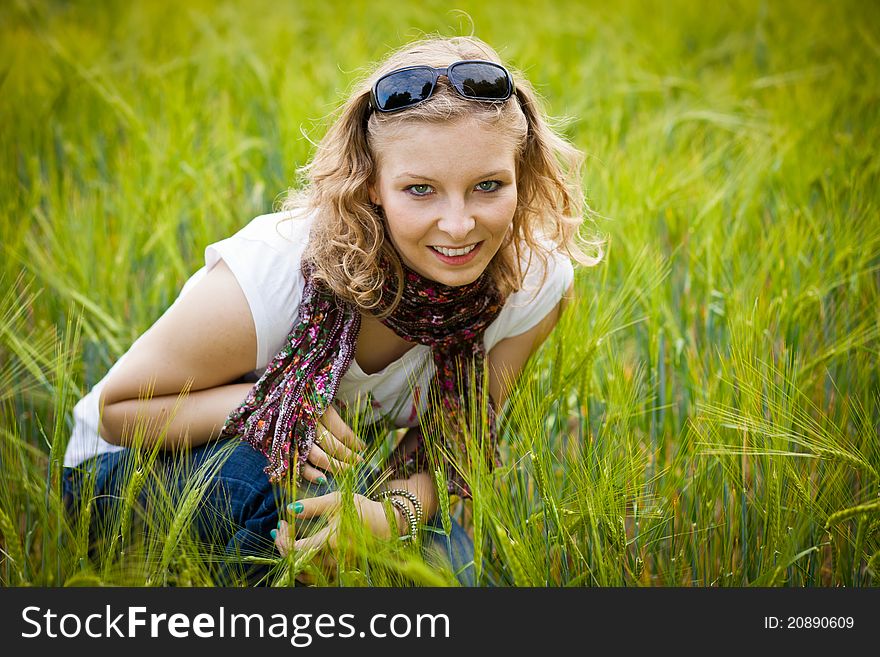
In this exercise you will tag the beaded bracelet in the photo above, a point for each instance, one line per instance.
(411, 519)
(402, 492)
(414, 520)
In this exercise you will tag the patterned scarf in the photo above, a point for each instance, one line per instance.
(282, 410)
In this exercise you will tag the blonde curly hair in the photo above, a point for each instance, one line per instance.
(348, 234)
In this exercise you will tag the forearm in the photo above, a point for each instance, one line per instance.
(199, 417)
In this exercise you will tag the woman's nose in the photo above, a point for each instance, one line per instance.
(457, 222)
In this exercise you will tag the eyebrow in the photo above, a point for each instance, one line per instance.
(407, 174)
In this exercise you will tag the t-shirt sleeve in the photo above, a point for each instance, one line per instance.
(265, 259)
(529, 305)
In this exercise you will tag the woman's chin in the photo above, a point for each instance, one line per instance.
(458, 276)
(456, 281)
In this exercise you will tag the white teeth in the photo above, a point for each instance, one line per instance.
(454, 252)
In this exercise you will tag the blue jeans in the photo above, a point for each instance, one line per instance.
(240, 507)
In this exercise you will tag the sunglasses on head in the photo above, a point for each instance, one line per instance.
(473, 79)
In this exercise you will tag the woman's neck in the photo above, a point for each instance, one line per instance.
(378, 346)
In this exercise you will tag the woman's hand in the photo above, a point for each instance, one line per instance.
(371, 512)
(336, 448)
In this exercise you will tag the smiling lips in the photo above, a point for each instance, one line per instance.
(456, 256)
(455, 252)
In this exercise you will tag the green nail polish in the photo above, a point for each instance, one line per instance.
(322, 481)
(296, 507)
(279, 524)
(273, 534)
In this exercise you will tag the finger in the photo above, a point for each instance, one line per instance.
(307, 577)
(322, 564)
(334, 447)
(309, 507)
(328, 563)
(322, 460)
(313, 475)
(316, 540)
(341, 430)
(283, 538)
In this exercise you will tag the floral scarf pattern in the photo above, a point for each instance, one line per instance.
(282, 410)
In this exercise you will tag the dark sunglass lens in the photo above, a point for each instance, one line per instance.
(404, 88)
(481, 81)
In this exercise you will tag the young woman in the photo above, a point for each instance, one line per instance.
(432, 239)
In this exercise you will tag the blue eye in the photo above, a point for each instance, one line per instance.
(419, 190)
(489, 185)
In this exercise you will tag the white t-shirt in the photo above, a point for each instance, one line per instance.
(265, 258)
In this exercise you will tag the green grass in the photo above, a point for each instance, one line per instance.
(707, 414)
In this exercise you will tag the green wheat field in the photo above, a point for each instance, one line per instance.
(706, 414)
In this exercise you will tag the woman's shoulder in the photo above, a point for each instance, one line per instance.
(544, 270)
(284, 230)
(265, 256)
(267, 249)
(545, 281)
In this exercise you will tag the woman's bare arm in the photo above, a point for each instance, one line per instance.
(206, 342)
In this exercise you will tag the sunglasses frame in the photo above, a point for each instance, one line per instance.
(436, 72)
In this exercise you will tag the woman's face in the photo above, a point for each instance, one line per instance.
(448, 192)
